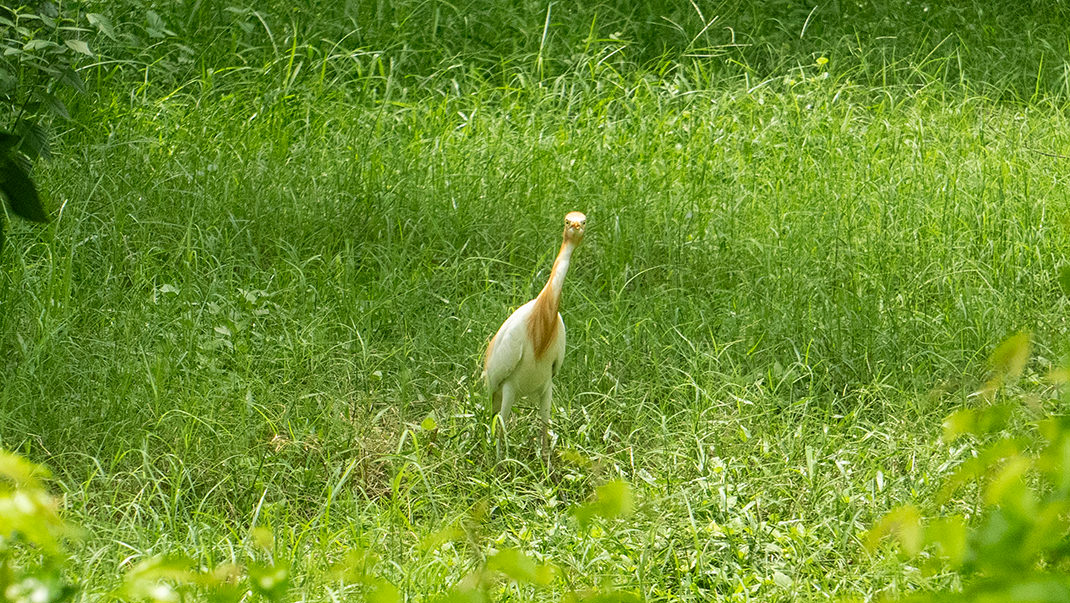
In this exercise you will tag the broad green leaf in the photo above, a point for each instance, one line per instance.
(616, 498)
(154, 19)
(355, 567)
(21, 471)
(31, 514)
(612, 499)
(903, 523)
(976, 421)
(34, 139)
(998, 543)
(991, 419)
(223, 584)
(7, 81)
(1008, 480)
(270, 581)
(515, 565)
(1049, 529)
(1055, 428)
(158, 568)
(54, 104)
(383, 592)
(154, 579)
(1054, 462)
(157, 27)
(40, 585)
(973, 468)
(958, 423)
(949, 536)
(1038, 589)
(71, 78)
(27, 512)
(263, 538)
(223, 573)
(571, 455)
(1009, 358)
(1064, 278)
(102, 24)
(79, 46)
(436, 539)
(429, 424)
(38, 44)
(20, 191)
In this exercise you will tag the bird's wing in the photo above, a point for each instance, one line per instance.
(560, 343)
(504, 352)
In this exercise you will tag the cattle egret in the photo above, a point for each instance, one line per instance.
(528, 349)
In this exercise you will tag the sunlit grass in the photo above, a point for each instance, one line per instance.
(261, 283)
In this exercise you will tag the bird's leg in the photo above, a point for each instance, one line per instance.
(545, 403)
(496, 402)
(503, 404)
(495, 428)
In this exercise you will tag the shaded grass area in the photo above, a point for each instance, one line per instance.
(254, 294)
(400, 48)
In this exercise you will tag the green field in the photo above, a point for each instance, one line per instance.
(282, 238)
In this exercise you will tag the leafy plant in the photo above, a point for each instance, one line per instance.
(1015, 547)
(33, 557)
(609, 501)
(30, 522)
(32, 535)
(40, 47)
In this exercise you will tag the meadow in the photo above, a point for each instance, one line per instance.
(282, 238)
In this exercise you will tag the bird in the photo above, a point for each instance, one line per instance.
(527, 351)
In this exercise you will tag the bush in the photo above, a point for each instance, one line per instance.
(1014, 548)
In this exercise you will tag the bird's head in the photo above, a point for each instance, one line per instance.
(575, 223)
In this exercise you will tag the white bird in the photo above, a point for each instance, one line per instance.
(528, 349)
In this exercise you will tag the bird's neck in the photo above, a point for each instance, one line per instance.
(542, 326)
(551, 293)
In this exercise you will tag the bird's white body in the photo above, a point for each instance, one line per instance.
(529, 347)
(513, 368)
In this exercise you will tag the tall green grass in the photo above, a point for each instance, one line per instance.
(282, 241)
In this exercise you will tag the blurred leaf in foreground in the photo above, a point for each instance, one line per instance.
(612, 499)
(903, 523)
(1008, 361)
(520, 568)
(1064, 279)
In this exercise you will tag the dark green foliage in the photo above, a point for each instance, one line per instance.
(1064, 279)
(19, 190)
(41, 46)
(40, 49)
